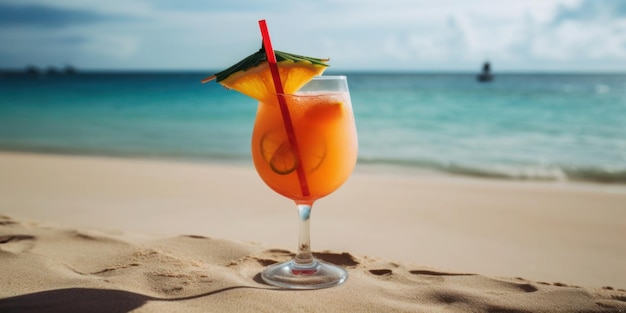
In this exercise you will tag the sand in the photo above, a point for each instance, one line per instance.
(97, 234)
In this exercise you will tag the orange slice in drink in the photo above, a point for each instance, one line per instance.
(277, 152)
(313, 151)
(281, 157)
(284, 159)
(252, 76)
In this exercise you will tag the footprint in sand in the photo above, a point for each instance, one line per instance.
(16, 243)
(434, 273)
(486, 282)
(5, 221)
(341, 259)
(381, 272)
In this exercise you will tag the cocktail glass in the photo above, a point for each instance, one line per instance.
(305, 161)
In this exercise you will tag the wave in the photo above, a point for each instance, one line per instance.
(197, 156)
(508, 172)
(495, 171)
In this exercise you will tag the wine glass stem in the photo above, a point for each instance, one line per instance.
(304, 256)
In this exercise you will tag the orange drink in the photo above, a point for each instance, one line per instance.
(326, 140)
(304, 144)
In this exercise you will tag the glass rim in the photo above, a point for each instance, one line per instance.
(305, 94)
(329, 77)
(320, 78)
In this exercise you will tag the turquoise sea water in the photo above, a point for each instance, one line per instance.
(520, 126)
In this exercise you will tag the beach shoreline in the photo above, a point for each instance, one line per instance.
(568, 233)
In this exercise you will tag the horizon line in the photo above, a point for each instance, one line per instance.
(75, 70)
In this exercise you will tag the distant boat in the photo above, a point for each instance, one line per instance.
(485, 75)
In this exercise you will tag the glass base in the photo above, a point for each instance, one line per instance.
(315, 275)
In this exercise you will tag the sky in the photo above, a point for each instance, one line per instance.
(368, 35)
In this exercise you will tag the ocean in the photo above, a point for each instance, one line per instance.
(545, 127)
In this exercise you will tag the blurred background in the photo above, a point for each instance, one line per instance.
(122, 78)
(399, 35)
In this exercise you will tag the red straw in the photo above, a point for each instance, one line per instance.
(284, 110)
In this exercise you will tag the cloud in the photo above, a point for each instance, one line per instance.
(589, 32)
(591, 10)
(409, 35)
(48, 16)
(219, 6)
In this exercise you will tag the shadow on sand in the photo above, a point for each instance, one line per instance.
(74, 300)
